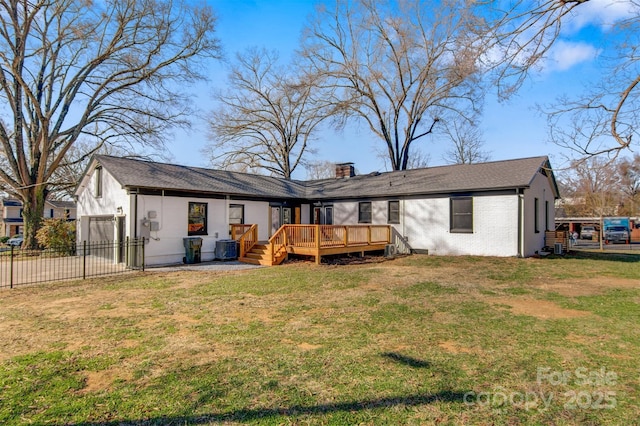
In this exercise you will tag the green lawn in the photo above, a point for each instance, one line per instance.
(417, 340)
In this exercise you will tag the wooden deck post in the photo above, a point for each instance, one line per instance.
(346, 236)
(317, 236)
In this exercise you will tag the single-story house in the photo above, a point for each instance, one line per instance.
(499, 208)
(11, 214)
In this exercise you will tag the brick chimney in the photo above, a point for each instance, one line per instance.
(345, 170)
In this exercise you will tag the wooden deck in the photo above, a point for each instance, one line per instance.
(310, 240)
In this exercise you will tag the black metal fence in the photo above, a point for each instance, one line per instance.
(20, 267)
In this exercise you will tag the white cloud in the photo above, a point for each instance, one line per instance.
(600, 13)
(565, 55)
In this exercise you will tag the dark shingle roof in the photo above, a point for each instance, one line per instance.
(496, 175)
(146, 174)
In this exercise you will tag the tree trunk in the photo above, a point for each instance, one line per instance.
(32, 213)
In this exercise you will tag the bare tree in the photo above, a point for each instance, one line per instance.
(467, 143)
(629, 170)
(594, 187)
(63, 181)
(398, 66)
(104, 71)
(518, 35)
(320, 169)
(605, 119)
(268, 116)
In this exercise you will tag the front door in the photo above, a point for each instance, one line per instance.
(287, 216)
(281, 215)
(276, 219)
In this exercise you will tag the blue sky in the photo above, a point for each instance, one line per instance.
(512, 129)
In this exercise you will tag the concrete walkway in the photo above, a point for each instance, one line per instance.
(216, 265)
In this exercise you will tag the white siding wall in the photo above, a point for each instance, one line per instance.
(495, 227)
(305, 214)
(113, 196)
(166, 245)
(257, 212)
(540, 188)
(346, 213)
(426, 224)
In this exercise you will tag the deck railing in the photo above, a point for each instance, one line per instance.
(320, 240)
(237, 229)
(329, 236)
(278, 244)
(247, 239)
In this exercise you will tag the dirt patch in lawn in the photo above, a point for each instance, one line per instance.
(97, 381)
(455, 348)
(542, 309)
(586, 287)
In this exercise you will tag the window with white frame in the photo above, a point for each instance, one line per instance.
(236, 213)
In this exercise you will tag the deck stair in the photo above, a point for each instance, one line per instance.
(259, 254)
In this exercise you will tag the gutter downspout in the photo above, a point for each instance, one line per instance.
(135, 214)
(520, 223)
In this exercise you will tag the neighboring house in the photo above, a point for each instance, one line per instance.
(499, 208)
(13, 224)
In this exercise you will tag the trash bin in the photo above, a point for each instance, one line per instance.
(192, 246)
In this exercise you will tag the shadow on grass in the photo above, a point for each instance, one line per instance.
(406, 360)
(245, 415)
(598, 255)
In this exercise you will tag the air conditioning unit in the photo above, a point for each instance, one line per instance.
(557, 248)
(390, 250)
(226, 249)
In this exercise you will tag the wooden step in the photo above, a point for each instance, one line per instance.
(255, 261)
(260, 254)
(259, 248)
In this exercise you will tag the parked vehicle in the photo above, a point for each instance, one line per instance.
(16, 240)
(587, 232)
(616, 234)
(616, 229)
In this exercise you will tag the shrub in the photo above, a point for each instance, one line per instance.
(57, 234)
(3, 240)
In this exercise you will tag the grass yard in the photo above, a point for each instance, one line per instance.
(417, 340)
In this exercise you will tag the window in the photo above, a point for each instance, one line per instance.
(461, 214)
(236, 213)
(98, 177)
(328, 215)
(364, 212)
(393, 215)
(536, 215)
(546, 215)
(51, 213)
(197, 219)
